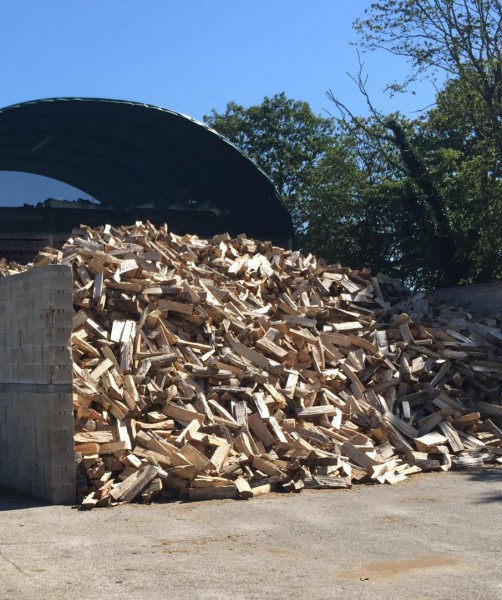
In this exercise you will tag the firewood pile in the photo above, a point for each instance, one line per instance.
(228, 368)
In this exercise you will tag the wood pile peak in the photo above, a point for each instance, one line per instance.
(227, 368)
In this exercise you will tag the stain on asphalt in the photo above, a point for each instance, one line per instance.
(391, 520)
(189, 546)
(388, 569)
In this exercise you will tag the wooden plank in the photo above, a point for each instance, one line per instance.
(252, 355)
(430, 440)
(219, 457)
(201, 462)
(316, 411)
(357, 456)
(453, 439)
(267, 467)
(260, 430)
(243, 488)
(182, 414)
(134, 484)
(210, 493)
(491, 410)
(277, 431)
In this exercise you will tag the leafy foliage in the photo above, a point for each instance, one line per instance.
(453, 154)
(418, 199)
(436, 35)
(283, 136)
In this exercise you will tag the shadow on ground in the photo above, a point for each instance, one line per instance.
(487, 475)
(12, 500)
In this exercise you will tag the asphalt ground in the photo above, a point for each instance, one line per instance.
(435, 536)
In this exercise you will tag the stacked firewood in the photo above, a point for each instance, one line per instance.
(231, 367)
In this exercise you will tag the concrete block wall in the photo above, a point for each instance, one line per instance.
(36, 408)
(483, 298)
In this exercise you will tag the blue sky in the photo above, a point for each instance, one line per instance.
(190, 56)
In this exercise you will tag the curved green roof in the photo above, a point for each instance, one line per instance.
(130, 155)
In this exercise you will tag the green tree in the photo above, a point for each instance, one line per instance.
(283, 136)
(467, 163)
(321, 174)
(345, 214)
(366, 210)
(419, 199)
(350, 196)
(439, 37)
(450, 158)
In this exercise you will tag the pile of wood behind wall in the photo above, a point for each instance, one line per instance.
(228, 368)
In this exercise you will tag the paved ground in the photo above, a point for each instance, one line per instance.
(435, 536)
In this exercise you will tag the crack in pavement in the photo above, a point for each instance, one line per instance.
(11, 562)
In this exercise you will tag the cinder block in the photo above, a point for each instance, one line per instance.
(60, 374)
(43, 440)
(19, 433)
(5, 291)
(56, 356)
(16, 286)
(5, 400)
(58, 336)
(28, 454)
(15, 326)
(40, 373)
(62, 438)
(55, 299)
(59, 476)
(31, 283)
(39, 318)
(21, 373)
(61, 457)
(14, 356)
(13, 467)
(41, 488)
(26, 338)
(62, 401)
(37, 334)
(48, 419)
(27, 418)
(8, 469)
(25, 304)
(23, 483)
(26, 356)
(5, 374)
(24, 322)
(13, 420)
(30, 400)
(66, 494)
(63, 420)
(11, 339)
(57, 277)
(49, 318)
(43, 458)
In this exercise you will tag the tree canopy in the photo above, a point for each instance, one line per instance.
(420, 199)
(453, 153)
(436, 35)
(283, 136)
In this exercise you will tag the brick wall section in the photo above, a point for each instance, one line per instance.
(36, 418)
